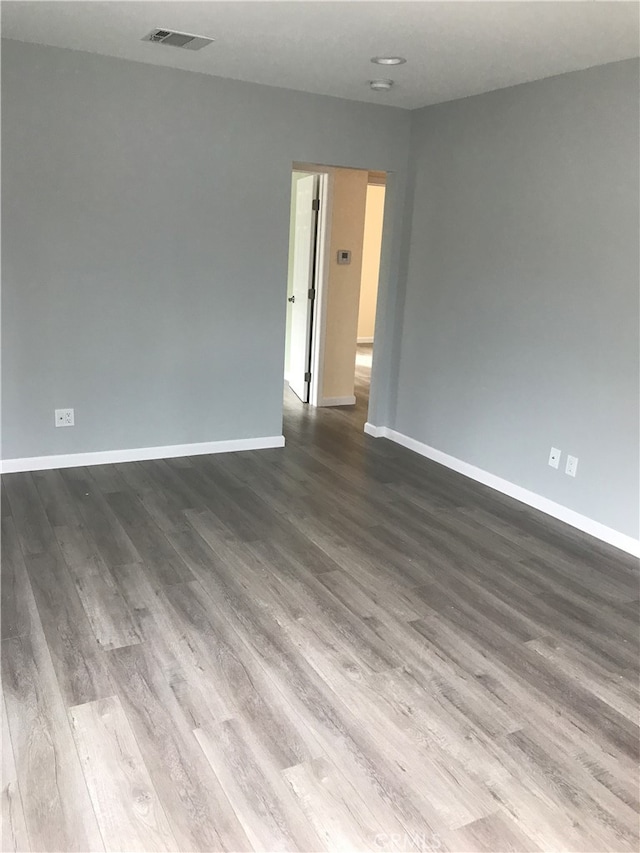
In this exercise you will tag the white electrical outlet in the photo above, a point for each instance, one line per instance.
(64, 417)
(554, 457)
(572, 466)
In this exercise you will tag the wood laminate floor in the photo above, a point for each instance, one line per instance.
(335, 646)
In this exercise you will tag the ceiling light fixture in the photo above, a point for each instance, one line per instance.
(388, 60)
(380, 85)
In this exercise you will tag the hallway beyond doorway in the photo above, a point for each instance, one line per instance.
(335, 246)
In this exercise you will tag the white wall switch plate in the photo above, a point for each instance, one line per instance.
(572, 466)
(64, 417)
(554, 457)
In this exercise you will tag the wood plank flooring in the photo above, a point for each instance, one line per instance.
(334, 646)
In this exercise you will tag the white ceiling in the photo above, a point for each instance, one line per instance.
(453, 48)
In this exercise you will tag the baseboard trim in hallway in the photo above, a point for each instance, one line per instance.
(138, 454)
(350, 400)
(562, 513)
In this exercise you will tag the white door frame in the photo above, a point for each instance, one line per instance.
(303, 258)
(319, 319)
(321, 276)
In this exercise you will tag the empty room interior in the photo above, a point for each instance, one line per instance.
(320, 426)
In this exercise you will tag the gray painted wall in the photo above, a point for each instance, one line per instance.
(145, 235)
(521, 315)
(145, 240)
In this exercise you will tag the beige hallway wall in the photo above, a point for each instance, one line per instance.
(374, 215)
(343, 297)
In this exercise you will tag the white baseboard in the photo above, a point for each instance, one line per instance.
(138, 454)
(376, 432)
(562, 513)
(338, 401)
(365, 340)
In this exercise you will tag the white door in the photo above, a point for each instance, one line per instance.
(304, 249)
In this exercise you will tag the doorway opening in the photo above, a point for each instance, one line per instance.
(370, 274)
(335, 239)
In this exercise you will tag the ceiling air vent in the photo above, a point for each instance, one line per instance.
(173, 39)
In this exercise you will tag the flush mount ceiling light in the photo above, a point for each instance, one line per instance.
(388, 60)
(380, 85)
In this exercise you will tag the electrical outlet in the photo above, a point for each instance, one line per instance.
(64, 417)
(554, 457)
(572, 466)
